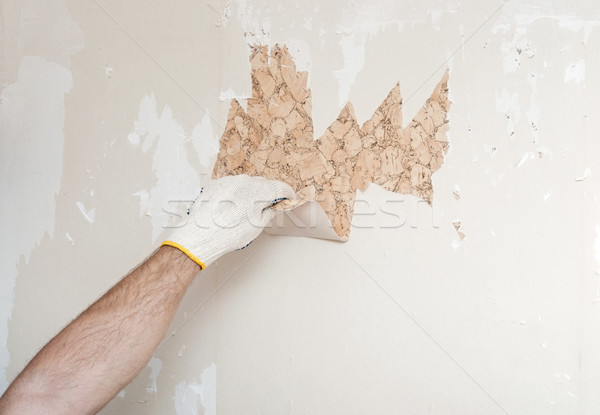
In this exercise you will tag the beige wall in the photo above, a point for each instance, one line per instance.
(109, 111)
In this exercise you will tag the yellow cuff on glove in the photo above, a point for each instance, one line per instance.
(185, 251)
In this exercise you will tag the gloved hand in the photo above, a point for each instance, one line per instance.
(229, 213)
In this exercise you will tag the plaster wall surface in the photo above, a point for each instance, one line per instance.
(111, 112)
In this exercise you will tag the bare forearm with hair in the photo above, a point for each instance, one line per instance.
(95, 356)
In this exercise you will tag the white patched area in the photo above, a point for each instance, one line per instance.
(188, 396)
(177, 181)
(31, 155)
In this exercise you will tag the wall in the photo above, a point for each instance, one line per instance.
(109, 112)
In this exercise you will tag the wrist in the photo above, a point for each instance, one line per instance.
(176, 261)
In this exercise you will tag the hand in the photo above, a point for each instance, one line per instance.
(229, 213)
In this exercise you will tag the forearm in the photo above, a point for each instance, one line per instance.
(102, 350)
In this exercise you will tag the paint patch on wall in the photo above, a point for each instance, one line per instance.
(189, 396)
(88, 214)
(274, 138)
(508, 104)
(176, 177)
(155, 365)
(575, 72)
(353, 45)
(31, 160)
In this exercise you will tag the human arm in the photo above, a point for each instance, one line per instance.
(102, 350)
(93, 358)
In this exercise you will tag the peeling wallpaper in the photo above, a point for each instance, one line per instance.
(274, 138)
(485, 301)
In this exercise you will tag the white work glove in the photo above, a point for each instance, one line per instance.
(229, 213)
